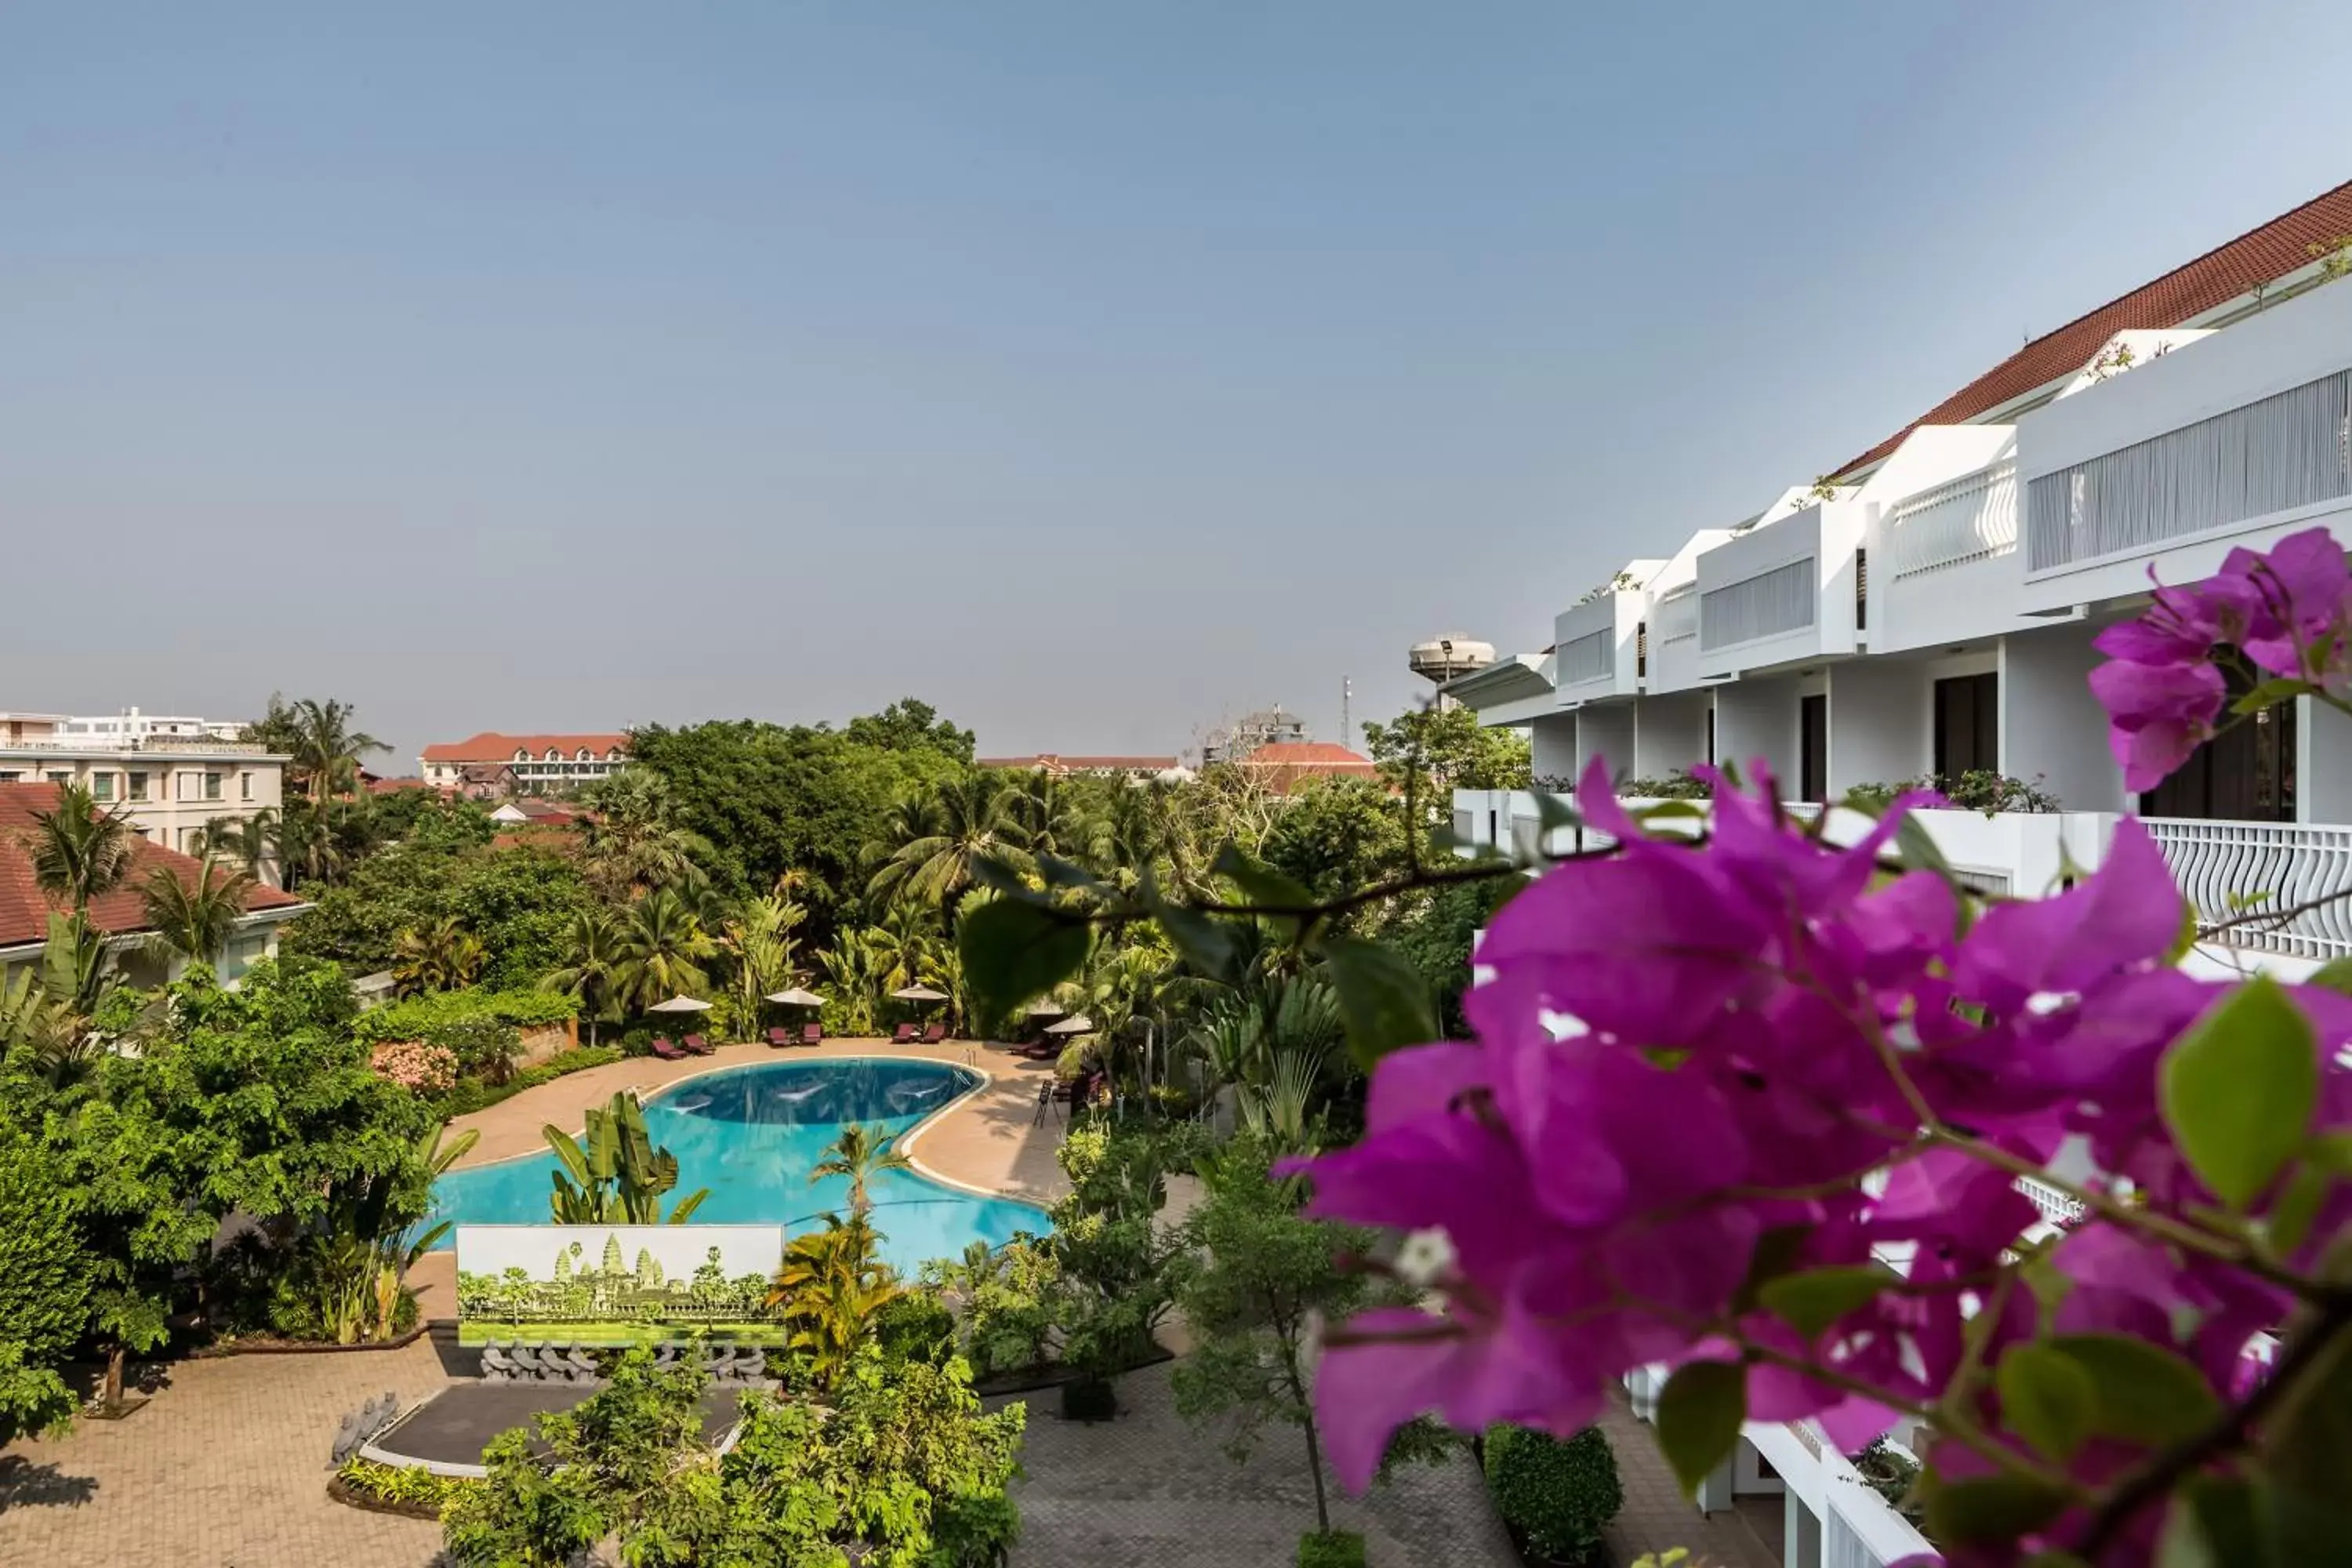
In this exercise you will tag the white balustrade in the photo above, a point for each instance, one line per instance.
(2257, 875)
(1972, 517)
(1678, 613)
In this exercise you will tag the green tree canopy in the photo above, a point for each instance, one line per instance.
(1447, 749)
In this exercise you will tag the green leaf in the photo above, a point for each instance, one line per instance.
(2306, 1439)
(2047, 1399)
(1812, 1301)
(2184, 940)
(1991, 1510)
(1202, 938)
(1556, 811)
(2237, 1089)
(1777, 1252)
(2215, 1522)
(2289, 1222)
(2145, 1392)
(2269, 694)
(1917, 851)
(1060, 873)
(1668, 810)
(1013, 950)
(1383, 1000)
(1698, 1416)
(2336, 974)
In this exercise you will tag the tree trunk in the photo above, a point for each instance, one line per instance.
(112, 1393)
(1307, 1410)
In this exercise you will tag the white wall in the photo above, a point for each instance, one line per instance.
(1551, 741)
(1756, 719)
(2323, 772)
(1606, 732)
(1881, 710)
(1670, 733)
(1829, 532)
(2050, 726)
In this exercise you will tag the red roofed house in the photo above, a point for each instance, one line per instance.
(1282, 766)
(120, 913)
(541, 764)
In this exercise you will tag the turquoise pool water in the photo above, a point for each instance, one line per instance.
(752, 1134)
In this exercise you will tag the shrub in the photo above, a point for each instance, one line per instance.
(1556, 1496)
(452, 1018)
(45, 1274)
(1979, 789)
(1331, 1549)
(403, 1485)
(1676, 786)
(915, 1326)
(1089, 1399)
(637, 1042)
(473, 1095)
(974, 1530)
(415, 1065)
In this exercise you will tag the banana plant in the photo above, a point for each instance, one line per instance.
(612, 1173)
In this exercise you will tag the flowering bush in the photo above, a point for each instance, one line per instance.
(413, 1065)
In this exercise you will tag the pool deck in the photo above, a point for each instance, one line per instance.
(988, 1141)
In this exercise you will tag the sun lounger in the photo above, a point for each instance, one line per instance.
(936, 1035)
(698, 1045)
(905, 1034)
(779, 1039)
(668, 1052)
(812, 1033)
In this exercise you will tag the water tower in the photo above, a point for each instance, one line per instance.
(1441, 659)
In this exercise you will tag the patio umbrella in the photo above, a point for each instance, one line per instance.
(796, 998)
(1080, 1025)
(1045, 1010)
(918, 994)
(680, 1005)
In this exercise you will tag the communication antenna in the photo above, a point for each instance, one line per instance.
(1347, 700)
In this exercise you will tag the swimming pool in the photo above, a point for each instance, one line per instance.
(750, 1134)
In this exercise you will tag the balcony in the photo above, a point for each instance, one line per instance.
(2261, 874)
(1784, 592)
(2237, 439)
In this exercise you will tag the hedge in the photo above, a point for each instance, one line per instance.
(428, 1017)
(1331, 1549)
(1556, 1496)
(472, 1094)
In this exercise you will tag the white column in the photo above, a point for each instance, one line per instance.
(1801, 1533)
(2051, 727)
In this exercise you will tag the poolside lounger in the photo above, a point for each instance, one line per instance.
(811, 1033)
(936, 1035)
(698, 1045)
(780, 1037)
(905, 1035)
(668, 1052)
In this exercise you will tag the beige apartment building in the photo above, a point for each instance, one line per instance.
(168, 784)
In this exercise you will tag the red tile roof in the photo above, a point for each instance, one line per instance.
(2258, 257)
(394, 787)
(25, 909)
(1284, 763)
(491, 746)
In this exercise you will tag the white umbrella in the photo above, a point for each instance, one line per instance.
(1045, 1010)
(918, 994)
(796, 998)
(679, 1004)
(1081, 1025)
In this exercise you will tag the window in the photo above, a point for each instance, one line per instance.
(58, 777)
(188, 838)
(1813, 748)
(212, 786)
(138, 785)
(102, 786)
(245, 786)
(1967, 725)
(2246, 772)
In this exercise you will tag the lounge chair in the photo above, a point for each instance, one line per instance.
(936, 1035)
(698, 1045)
(811, 1033)
(905, 1036)
(779, 1039)
(668, 1052)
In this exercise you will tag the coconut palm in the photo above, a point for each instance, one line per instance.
(942, 836)
(662, 946)
(831, 1286)
(861, 1153)
(195, 920)
(326, 749)
(632, 842)
(591, 972)
(444, 956)
(258, 841)
(857, 970)
(79, 851)
(1043, 811)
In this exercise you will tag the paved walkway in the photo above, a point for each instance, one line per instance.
(1657, 1516)
(990, 1140)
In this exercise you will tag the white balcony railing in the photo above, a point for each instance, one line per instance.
(1783, 599)
(1972, 517)
(2255, 873)
(1677, 614)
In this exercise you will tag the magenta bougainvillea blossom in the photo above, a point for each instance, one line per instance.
(1694, 1059)
(2285, 613)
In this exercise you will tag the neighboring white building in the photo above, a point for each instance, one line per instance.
(169, 783)
(541, 764)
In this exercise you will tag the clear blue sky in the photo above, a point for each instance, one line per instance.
(1091, 371)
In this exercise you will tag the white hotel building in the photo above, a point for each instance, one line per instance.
(1930, 609)
(172, 777)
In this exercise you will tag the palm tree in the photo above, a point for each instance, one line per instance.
(941, 838)
(1043, 810)
(859, 971)
(661, 949)
(444, 956)
(256, 842)
(590, 973)
(79, 851)
(194, 920)
(326, 749)
(758, 943)
(631, 843)
(861, 1153)
(831, 1286)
